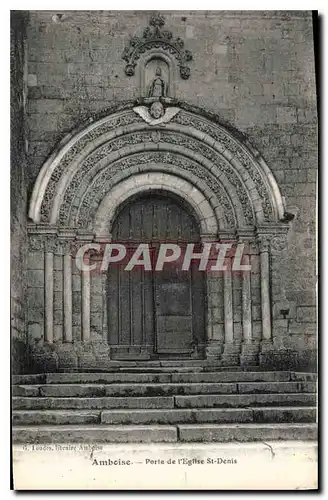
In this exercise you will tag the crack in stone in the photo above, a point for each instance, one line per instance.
(270, 448)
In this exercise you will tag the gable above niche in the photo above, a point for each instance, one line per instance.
(154, 38)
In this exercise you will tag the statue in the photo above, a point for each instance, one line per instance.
(158, 87)
(156, 114)
(156, 110)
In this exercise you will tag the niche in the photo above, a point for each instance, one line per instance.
(157, 80)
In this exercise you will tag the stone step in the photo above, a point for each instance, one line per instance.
(304, 376)
(119, 390)
(245, 400)
(199, 401)
(29, 403)
(56, 417)
(93, 433)
(247, 432)
(162, 377)
(173, 416)
(210, 415)
(147, 434)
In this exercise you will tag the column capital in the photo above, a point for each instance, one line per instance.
(65, 246)
(279, 242)
(263, 241)
(51, 243)
(35, 242)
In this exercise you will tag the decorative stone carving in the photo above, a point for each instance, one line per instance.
(192, 121)
(168, 137)
(36, 242)
(264, 241)
(279, 243)
(51, 243)
(117, 121)
(155, 37)
(221, 136)
(64, 247)
(156, 114)
(158, 87)
(156, 136)
(93, 197)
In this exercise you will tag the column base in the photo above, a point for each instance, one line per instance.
(231, 354)
(249, 354)
(43, 358)
(102, 354)
(67, 357)
(213, 351)
(267, 345)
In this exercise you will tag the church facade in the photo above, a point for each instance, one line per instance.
(189, 128)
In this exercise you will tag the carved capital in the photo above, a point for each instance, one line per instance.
(263, 241)
(279, 243)
(64, 247)
(35, 242)
(51, 243)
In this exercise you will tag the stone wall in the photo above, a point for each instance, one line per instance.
(18, 187)
(255, 70)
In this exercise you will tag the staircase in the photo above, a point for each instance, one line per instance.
(164, 404)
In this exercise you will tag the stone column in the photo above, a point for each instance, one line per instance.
(49, 249)
(214, 340)
(227, 297)
(67, 292)
(66, 350)
(265, 356)
(230, 354)
(264, 246)
(250, 347)
(246, 302)
(85, 291)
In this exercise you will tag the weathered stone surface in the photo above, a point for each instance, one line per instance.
(263, 97)
(249, 432)
(90, 403)
(92, 434)
(267, 387)
(29, 379)
(200, 377)
(287, 415)
(175, 416)
(311, 377)
(55, 417)
(123, 389)
(244, 400)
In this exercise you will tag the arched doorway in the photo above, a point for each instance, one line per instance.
(155, 314)
(229, 190)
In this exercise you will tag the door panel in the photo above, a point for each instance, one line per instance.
(158, 313)
(174, 327)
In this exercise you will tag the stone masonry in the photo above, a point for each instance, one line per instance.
(253, 70)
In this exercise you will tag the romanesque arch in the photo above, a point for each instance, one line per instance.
(226, 182)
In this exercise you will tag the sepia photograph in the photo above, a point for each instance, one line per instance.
(163, 202)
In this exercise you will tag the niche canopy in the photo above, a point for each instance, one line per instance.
(154, 37)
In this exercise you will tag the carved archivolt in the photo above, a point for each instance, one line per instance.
(106, 212)
(164, 162)
(72, 182)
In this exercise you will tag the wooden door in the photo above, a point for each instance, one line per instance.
(155, 313)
